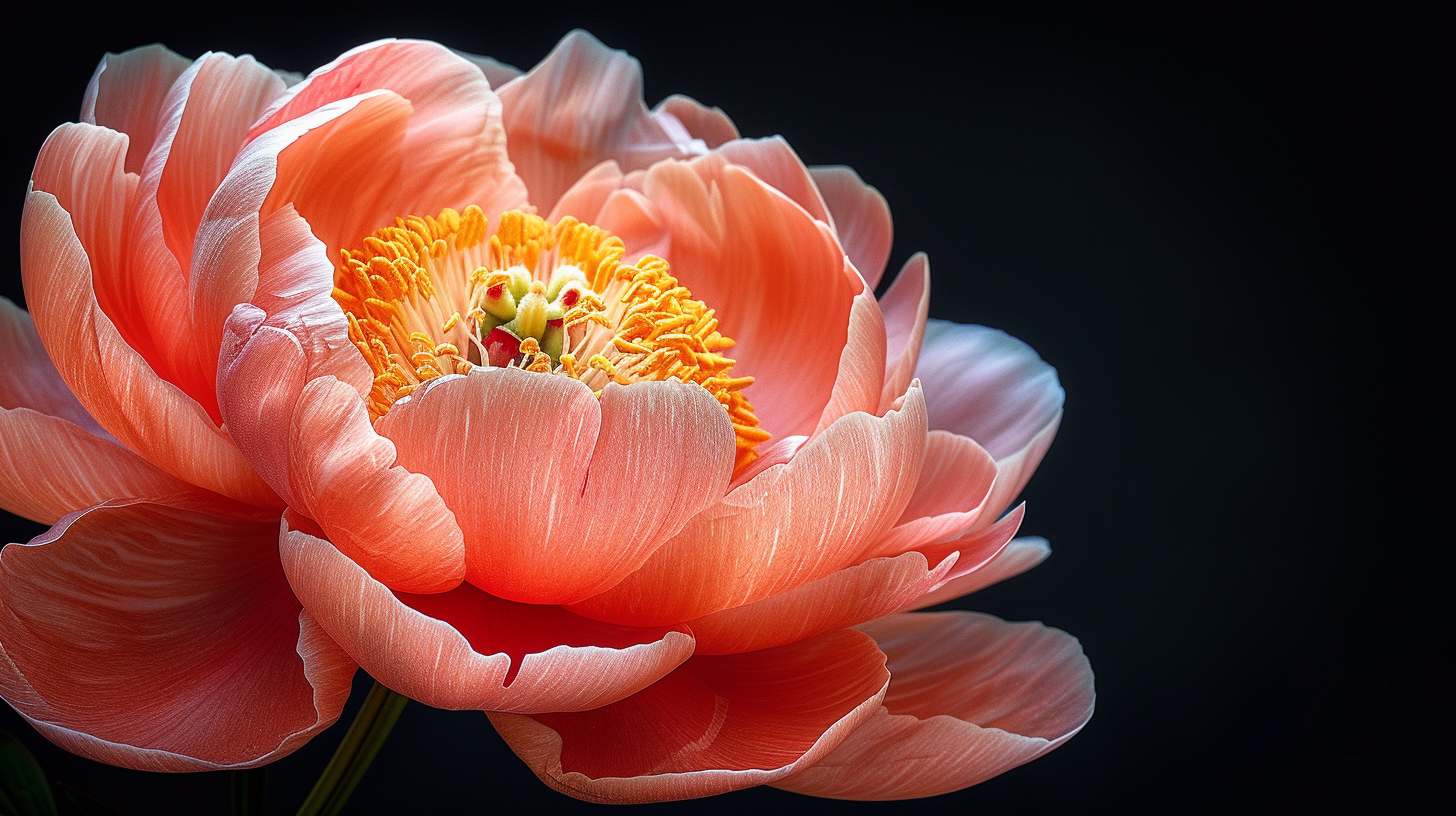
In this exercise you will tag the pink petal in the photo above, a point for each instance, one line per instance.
(313, 442)
(970, 696)
(905, 308)
(164, 639)
(465, 649)
(117, 387)
(776, 277)
(497, 73)
(588, 195)
(561, 495)
(126, 93)
(1018, 556)
(861, 219)
(985, 384)
(50, 467)
(711, 125)
(581, 106)
(860, 382)
(719, 723)
(850, 596)
(950, 495)
(453, 148)
(28, 378)
(789, 525)
(776, 164)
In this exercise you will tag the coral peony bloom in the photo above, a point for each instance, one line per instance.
(574, 412)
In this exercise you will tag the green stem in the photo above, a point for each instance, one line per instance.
(371, 726)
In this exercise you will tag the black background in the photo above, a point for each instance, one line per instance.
(1224, 231)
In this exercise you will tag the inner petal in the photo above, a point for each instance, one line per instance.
(437, 295)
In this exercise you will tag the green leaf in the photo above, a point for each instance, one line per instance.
(24, 790)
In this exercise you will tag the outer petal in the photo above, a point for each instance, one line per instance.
(989, 386)
(466, 649)
(905, 308)
(1018, 556)
(950, 496)
(561, 495)
(861, 219)
(28, 378)
(313, 442)
(776, 277)
(126, 94)
(789, 525)
(581, 106)
(711, 125)
(115, 384)
(970, 696)
(163, 639)
(717, 724)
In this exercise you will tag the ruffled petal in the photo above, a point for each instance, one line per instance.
(313, 442)
(465, 649)
(861, 219)
(970, 696)
(126, 93)
(164, 639)
(561, 495)
(452, 152)
(775, 276)
(1018, 556)
(497, 73)
(905, 308)
(117, 387)
(28, 378)
(581, 106)
(719, 723)
(791, 524)
(711, 125)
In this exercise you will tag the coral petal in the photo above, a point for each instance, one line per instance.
(537, 471)
(719, 723)
(28, 378)
(970, 696)
(789, 525)
(905, 308)
(1018, 556)
(581, 106)
(711, 125)
(113, 382)
(50, 467)
(164, 639)
(951, 494)
(861, 219)
(466, 649)
(126, 95)
(850, 596)
(775, 163)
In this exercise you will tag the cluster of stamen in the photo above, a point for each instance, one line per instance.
(431, 296)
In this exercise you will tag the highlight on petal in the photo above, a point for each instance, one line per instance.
(313, 442)
(163, 639)
(970, 696)
(861, 219)
(905, 307)
(560, 495)
(114, 383)
(791, 524)
(711, 125)
(465, 649)
(126, 93)
(581, 106)
(718, 723)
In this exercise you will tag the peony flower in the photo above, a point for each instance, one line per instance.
(526, 399)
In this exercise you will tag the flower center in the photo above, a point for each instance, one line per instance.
(432, 296)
